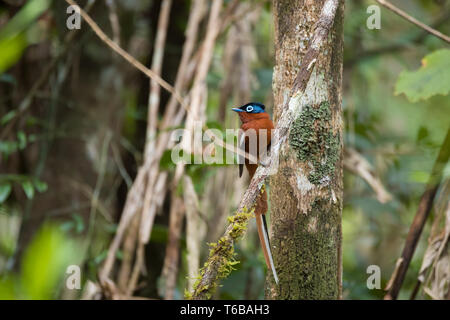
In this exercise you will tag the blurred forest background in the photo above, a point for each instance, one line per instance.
(74, 117)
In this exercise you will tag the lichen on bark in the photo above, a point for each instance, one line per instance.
(312, 137)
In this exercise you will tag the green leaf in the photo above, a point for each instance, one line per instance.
(79, 223)
(7, 288)
(67, 226)
(431, 79)
(419, 176)
(101, 257)
(40, 185)
(22, 140)
(28, 188)
(166, 162)
(8, 147)
(11, 50)
(45, 262)
(7, 117)
(422, 134)
(13, 40)
(5, 190)
(24, 18)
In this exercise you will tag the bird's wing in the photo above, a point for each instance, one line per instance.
(241, 147)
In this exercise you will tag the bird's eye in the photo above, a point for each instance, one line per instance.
(249, 109)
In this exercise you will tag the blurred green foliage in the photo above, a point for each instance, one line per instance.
(13, 39)
(29, 185)
(43, 267)
(11, 51)
(432, 78)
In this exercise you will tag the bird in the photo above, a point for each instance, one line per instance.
(253, 116)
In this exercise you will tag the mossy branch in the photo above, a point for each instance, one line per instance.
(221, 260)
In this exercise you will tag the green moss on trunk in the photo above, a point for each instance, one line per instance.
(308, 255)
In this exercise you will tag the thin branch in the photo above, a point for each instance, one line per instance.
(171, 260)
(114, 46)
(120, 166)
(406, 16)
(98, 186)
(153, 105)
(197, 12)
(420, 218)
(137, 269)
(357, 164)
(129, 248)
(198, 98)
(195, 229)
(213, 269)
(396, 46)
(114, 20)
(157, 62)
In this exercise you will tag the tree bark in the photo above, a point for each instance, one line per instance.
(306, 193)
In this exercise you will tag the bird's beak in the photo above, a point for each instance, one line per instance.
(237, 110)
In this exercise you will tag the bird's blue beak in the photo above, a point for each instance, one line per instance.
(237, 110)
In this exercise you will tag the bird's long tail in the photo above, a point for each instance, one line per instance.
(265, 244)
(260, 210)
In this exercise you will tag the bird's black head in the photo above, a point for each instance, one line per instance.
(252, 107)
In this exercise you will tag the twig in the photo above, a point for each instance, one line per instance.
(98, 187)
(153, 104)
(396, 46)
(170, 267)
(129, 247)
(420, 218)
(146, 221)
(215, 263)
(198, 103)
(88, 192)
(406, 16)
(196, 14)
(114, 20)
(195, 229)
(120, 166)
(138, 267)
(149, 73)
(157, 61)
(357, 164)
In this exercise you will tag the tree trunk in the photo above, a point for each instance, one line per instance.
(306, 193)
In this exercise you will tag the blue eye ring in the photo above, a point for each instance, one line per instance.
(249, 108)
